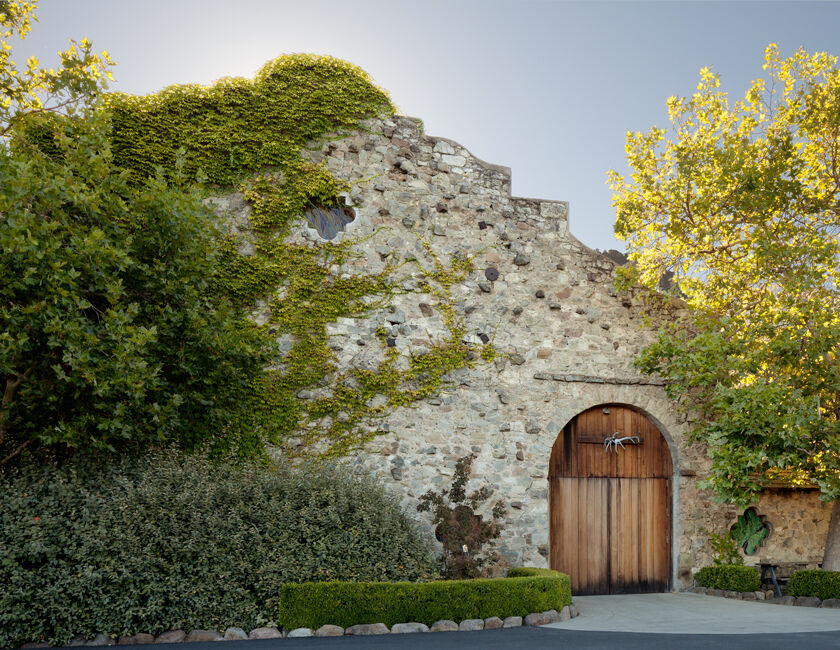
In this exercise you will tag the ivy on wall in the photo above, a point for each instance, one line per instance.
(248, 135)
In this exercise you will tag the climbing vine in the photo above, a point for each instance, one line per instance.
(249, 135)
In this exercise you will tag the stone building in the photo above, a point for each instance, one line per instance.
(561, 380)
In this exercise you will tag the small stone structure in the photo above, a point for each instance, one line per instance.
(565, 340)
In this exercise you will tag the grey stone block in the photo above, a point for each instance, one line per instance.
(542, 618)
(808, 601)
(202, 636)
(329, 630)
(299, 632)
(235, 634)
(493, 623)
(366, 629)
(444, 626)
(471, 625)
(265, 633)
(408, 628)
(833, 603)
(173, 636)
(512, 621)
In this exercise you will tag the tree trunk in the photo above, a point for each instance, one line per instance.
(831, 559)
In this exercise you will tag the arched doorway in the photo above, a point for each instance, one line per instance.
(610, 503)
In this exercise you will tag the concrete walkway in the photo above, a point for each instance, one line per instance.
(686, 613)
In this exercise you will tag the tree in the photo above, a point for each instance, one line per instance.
(111, 336)
(461, 532)
(741, 203)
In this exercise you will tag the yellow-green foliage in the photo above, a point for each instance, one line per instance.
(237, 126)
(250, 134)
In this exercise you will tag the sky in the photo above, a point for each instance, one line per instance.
(548, 88)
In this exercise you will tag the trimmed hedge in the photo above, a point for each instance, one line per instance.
(815, 582)
(730, 577)
(530, 572)
(349, 603)
(169, 541)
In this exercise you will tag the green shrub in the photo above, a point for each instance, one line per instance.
(169, 542)
(349, 603)
(730, 577)
(530, 572)
(815, 582)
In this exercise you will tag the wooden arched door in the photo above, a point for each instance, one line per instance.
(610, 504)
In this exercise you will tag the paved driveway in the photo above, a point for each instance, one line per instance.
(685, 613)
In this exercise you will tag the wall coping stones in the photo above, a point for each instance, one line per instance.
(591, 379)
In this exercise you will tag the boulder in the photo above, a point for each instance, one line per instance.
(235, 634)
(512, 621)
(808, 601)
(366, 629)
(493, 623)
(542, 618)
(329, 630)
(299, 632)
(444, 626)
(265, 633)
(471, 625)
(408, 628)
(173, 636)
(202, 636)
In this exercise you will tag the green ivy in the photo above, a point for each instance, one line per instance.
(249, 135)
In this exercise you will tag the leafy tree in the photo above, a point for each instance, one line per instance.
(463, 533)
(110, 337)
(739, 201)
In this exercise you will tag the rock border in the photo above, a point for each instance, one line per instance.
(237, 633)
(769, 596)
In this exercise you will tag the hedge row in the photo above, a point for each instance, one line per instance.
(349, 603)
(815, 582)
(531, 572)
(168, 542)
(730, 577)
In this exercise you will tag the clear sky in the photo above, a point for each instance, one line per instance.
(548, 88)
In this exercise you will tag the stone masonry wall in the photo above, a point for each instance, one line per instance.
(567, 340)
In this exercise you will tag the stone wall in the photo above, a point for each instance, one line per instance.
(565, 336)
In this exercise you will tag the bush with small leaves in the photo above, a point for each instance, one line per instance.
(815, 582)
(730, 577)
(462, 532)
(170, 541)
